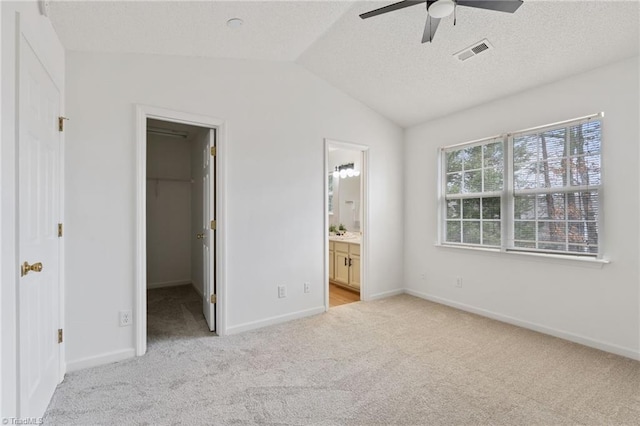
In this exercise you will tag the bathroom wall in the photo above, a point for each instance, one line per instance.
(347, 191)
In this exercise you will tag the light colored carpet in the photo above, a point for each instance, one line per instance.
(400, 361)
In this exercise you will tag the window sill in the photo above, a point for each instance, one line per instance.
(540, 257)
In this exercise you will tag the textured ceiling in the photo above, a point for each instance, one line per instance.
(272, 30)
(379, 61)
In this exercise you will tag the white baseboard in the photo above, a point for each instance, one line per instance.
(576, 338)
(386, 294)
(198, 290)
(94, 361)
(168, 284)
(274, 320)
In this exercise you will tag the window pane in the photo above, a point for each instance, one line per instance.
(585, 233)
(592, 233)
(525, 244)
(493, 156)
(454, 161)
(491, 233)
(552, 231)
(585, 138)
(525, 176)
(585, 170)
(453, 231)
(551, 206)
(583, 249)
(525, 207)
(473, 181)
(552, 246)
(492, 179)
(491, 208)
(553, 174)
(471, 232)
(552, 144)
(473, 158)
(525, 149)
(454, 182)
(471, 208)
(525, 231)
(582, 205)
(578, 233)
(453, 209)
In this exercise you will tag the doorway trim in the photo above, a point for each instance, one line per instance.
(143, 112)
(364, 228)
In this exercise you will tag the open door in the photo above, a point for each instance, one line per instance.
(39, 251)
(208, 230)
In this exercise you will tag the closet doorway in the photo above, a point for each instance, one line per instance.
(179, 256)
(180, 246)
(346, 221)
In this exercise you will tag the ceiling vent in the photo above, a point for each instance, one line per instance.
(474, 50)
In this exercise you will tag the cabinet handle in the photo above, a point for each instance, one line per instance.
(345, 261)
(350, 262)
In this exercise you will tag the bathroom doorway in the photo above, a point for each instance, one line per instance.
(345, 224)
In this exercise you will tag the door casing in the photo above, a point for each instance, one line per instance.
(143, 112)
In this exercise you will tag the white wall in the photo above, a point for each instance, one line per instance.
(598, 306)
(54, 59)
(277, 117)
(168, 211)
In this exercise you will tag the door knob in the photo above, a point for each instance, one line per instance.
(26, 268)
(200, 236)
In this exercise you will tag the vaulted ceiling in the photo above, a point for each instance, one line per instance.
(379, 61)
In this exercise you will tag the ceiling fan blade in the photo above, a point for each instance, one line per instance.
(430, 29)
(391, 8)
(509, 6)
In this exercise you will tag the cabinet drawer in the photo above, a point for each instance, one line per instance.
(341, 247)
(354, 249)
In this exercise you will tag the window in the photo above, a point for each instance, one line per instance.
(535, 190)
(474, 184)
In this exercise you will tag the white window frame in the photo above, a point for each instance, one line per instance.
(462, 196)
(507, 195)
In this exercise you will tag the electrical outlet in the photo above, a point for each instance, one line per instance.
(282, 291)
(423, 276)
(458, 282)
(125, 318)
(307, 288)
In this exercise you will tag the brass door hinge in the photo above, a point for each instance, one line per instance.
(214, 299)
(213, 151)
(59, 230)
(61, 123)
(213, 224)
(59, 335)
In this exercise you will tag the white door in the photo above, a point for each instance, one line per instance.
(208, 242)
(38, 212)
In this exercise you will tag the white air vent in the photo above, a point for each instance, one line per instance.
(474, 50)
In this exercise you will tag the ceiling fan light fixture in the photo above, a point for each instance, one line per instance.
(442, 8)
